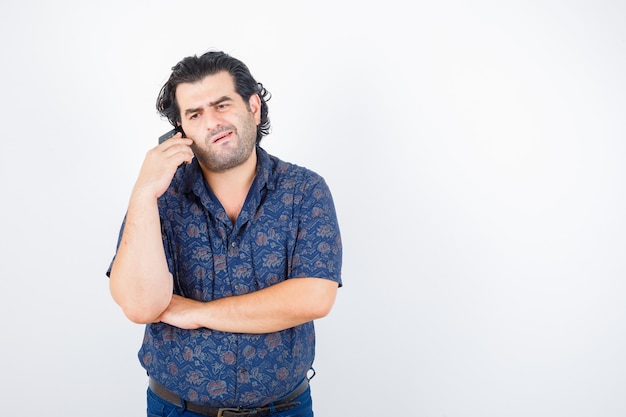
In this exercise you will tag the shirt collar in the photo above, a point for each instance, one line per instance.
(192, 180)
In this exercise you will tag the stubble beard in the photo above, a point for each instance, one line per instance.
(231, 156)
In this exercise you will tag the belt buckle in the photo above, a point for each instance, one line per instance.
(232, 411)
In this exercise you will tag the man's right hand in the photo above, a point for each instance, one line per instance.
(160, 164)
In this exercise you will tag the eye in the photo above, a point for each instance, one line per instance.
(193, 116)
(222, 106)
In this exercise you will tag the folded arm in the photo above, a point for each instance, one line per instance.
(281, 306)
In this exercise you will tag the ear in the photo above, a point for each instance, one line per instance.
(255, 107)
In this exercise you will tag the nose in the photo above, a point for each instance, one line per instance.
(212, 120)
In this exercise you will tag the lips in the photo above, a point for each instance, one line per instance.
(221, 136)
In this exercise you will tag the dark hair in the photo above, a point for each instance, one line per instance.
(193, 69)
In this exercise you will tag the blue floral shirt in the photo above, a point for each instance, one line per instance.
(287, 229)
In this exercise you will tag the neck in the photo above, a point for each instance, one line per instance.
(231, 187)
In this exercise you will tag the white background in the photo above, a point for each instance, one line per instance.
(474, 149)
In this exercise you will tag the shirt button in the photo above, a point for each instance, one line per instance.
(233, 244)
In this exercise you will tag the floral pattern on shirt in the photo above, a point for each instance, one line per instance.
(287, 229)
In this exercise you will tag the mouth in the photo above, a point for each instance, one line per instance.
(221, 137)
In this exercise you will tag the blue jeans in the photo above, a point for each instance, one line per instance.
(159, 408)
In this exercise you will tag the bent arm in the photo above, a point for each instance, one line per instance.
(140, 281)
(281, 306)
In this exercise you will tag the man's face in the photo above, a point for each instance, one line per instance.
(220, 123)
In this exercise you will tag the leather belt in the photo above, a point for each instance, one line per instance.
(283, 404)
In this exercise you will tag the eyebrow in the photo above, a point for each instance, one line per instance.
(211, 104)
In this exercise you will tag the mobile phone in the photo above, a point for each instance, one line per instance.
(171, 133)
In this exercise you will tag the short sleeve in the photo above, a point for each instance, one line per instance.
(318, 248)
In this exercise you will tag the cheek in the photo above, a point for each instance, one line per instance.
(192, 131)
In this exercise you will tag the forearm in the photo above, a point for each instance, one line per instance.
(140, 280)
(281, 306)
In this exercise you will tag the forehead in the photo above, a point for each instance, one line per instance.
(210, 88)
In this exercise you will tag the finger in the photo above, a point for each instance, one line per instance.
(174, 139)
(168, 135)
(179, 153)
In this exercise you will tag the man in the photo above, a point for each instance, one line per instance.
(227, 254)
